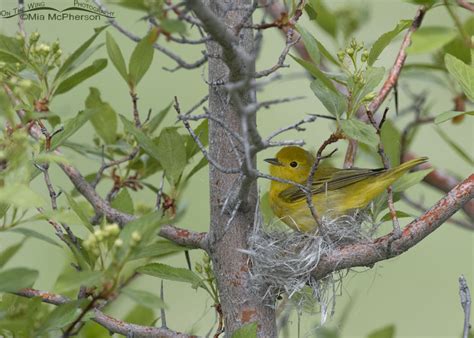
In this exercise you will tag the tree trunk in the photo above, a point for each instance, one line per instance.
(240, 304)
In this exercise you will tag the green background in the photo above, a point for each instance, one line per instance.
(418, 291)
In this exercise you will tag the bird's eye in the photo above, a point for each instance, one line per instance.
(294, 164)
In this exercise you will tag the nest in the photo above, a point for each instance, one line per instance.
(283, 260)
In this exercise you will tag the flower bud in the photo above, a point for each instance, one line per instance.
(350, 51)
(198, 267)
(364, 56)
(20, 38)
(55, 46)
(112, 229)
(34, 37)
(370, 96)
(99, 235)
(118, 243)
(341, 55)
(136, 237)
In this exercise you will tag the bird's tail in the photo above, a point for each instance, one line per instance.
(395, 173)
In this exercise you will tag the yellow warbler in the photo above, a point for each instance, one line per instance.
(334, 191)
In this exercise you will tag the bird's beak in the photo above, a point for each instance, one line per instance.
(273, 161)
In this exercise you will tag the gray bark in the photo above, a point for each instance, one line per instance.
(239, 304)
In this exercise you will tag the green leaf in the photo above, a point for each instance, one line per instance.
(315, 72)
(9, 252)
(326, 19)
(82, 214)
(246, 331)
(155, 122)
(143, 140)
(71, 126)
(61, 316)
(201, 164)
(81, 76)
(10, 50)
(69, 63)
(457, 148)
(171, 154)
(144, 298)
(21, 196)
(410, 179)
(171, 273)
(373, 77)
(115, 55)
(6, 108)
(34, 234)
(104, 119)
(390, 137)
(123, 202)
(385, 39)
(464, 74)
(326, 53)
(202, 132)
(14, 279)
(310, 43)
(446, 116)
(459, 49)
(360, 131)
(140, 315)
(400, 214)
(422, 2)
(386, 332)
(173, 26)
(430, 39)
(133, 4)
(140, 61)
(158, 249)
(334, 101)
(72, 279)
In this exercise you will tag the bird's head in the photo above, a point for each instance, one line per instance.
(291, 163)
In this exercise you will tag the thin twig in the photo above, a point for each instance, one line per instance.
(334, 137)
(199, 143)
(466, 305)
(106, 166)
(136, 115)
(162, 310)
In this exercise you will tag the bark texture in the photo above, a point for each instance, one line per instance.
(239, 304)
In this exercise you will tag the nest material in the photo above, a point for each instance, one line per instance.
(283, 260)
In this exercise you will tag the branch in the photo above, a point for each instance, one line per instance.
(399, 62)
(355, 255)
(183, 237)
(112, 324)
(466, 4)
(443, 182)
(466, 305)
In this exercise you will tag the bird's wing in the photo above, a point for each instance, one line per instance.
(330, 180)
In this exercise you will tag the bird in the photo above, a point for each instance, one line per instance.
(335, 192)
